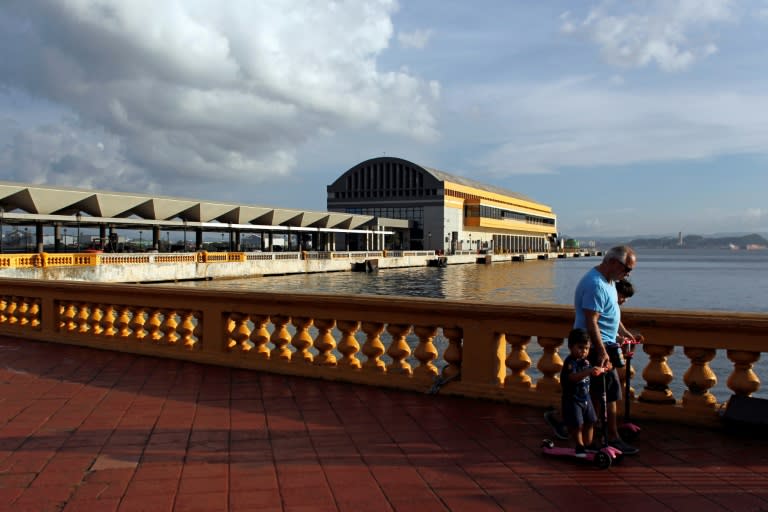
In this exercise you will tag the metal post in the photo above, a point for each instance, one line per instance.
(78, 216)
(141, 244)
(65, 239)
(26, 239)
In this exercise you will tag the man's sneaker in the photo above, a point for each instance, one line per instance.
(626, 449)
(580, 452)
(558, 427)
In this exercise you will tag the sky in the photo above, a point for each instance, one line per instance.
(628, 118)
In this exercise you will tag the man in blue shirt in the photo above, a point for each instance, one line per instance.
(597, 310)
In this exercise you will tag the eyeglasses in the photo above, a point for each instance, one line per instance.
(627, 268)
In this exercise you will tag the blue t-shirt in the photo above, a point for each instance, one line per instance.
(579, 390)
(595, 293)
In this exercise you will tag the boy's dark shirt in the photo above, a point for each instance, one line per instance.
(578, 391)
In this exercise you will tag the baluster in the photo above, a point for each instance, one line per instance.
(398, 350)
(743, 381)
(348, 346)
(324, 343)
(302, 340)
(657, 375)
(137, 323)
(168, 327)
(186, 329)
(453, 354)
(260, 336)
(123, 322)
(3, 310)
(549, 365)
(68, 322)
(373, 348)
(153, 326)
(518, 361)
(240, 333)
(10, 310)
(34, 313)
(82, 318)
(426, 352)
(95, 318)
(108, 321)
(699, 378)
(23, 311)
(281, 337)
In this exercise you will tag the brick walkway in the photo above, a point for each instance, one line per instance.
(87, 430)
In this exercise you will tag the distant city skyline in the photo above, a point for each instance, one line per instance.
(628, 118)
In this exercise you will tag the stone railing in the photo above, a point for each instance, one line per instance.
(473, 349)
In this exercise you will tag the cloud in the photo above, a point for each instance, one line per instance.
(202, 90)
(416, 39)
(581, 122)
(669, 33)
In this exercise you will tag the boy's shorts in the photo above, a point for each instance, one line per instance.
(576, 413)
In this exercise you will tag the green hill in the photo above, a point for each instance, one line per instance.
(700, 242)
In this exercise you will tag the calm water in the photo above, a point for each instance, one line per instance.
(719, 280)
(667, 279)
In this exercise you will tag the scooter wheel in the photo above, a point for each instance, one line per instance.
(602, 460)
(618, 458)
(547, 443)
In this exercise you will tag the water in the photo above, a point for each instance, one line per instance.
(688, 279)
(685, 279)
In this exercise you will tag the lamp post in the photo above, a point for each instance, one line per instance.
(141, 244)
(78, 217)
(65, 239)
(26, 239)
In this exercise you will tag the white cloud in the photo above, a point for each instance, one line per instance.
(205, 89)
(670, 33)
(416, 39)
(585, 122)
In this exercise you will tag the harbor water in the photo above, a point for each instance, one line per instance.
(681, 279)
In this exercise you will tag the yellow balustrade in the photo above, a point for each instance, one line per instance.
(477, 349)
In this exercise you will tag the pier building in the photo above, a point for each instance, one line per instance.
(35, 218)
(444, 212)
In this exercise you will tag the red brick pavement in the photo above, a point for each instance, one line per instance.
(88, 430)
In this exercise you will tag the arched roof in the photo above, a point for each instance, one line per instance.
(442, 176)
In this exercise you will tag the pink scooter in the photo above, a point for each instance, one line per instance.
(628, 430)
(603, 458)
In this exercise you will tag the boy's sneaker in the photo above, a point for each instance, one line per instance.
(626, 449)
(558, 427)
(581, 452)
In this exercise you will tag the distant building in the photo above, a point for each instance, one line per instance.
(444, 212)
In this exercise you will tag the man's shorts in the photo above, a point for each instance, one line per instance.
(613, 384)
(613, 387)
(576, 413)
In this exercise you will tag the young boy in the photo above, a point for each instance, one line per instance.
(578, 413)
(624, 290)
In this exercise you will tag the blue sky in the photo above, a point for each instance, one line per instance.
(627, 117)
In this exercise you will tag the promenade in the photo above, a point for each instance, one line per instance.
(89, 430)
